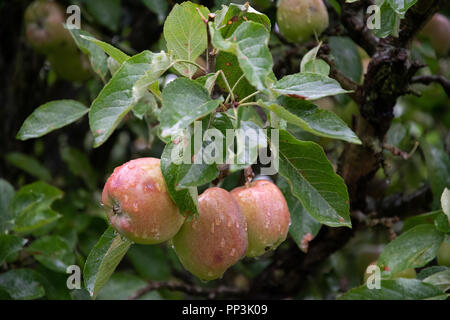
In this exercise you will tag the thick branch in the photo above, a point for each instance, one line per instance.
(388, 77)
(211, 293)
(415, 19)
(352, 17)
(444, 82)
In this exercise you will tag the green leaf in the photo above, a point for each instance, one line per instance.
(230, 17)
(184, 101)
(303, 227)
(160, 8)
(346, 57)
(150, 262)
(192, 175)
(29, 164)
(310, 86)
(79, 165)
(97, 56)
(10, 244)
(440, 280)
(31, 220)
(412, 249)
(396, 134)
(22, 284)
(115, 53)
(30, 206)
(426, 272)
(250, 138)
(389, 20)
(185, 34)
(399, 289)
(105, 12)
(208, 81)
(113, 65)
(116, 99)
(185, 199)
(55, 284)
(51, 116)
(229, 64)
(34, 196)
(122, 286)
(318, 66)
(309, 57)
(221, 122)
(205, 170)
(103, 260)
(161, 62)
(424, 218)
(438, 166)
(146, 105)
(310, 63)
(442, 223)
(53, 252)
(6, 195)
(401, 6)
(309, 117)
(249, 43)
(313, 181)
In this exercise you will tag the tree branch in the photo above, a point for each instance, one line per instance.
(344, 81)
(405, 204)
(210, 293)
(444, 82)
(415, 19)
(352, 17)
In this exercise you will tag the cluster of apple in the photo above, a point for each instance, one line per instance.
(248, 221)
(45, 31)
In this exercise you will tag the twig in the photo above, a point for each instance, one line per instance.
(344, 81)
(210, 293)
(249, 97)
(388, 222)
(249, 175)
(227, 84)
(397, 152)
(209, 58)
(224, 171)
(444, 82)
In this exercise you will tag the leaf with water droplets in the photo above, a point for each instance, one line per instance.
(313, 182)
(103, 260)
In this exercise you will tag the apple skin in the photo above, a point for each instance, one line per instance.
(443, 256)
(299, 20)
(44, 27)
(438, 31)
(138, 204)
(267, 215)
(208, 245)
